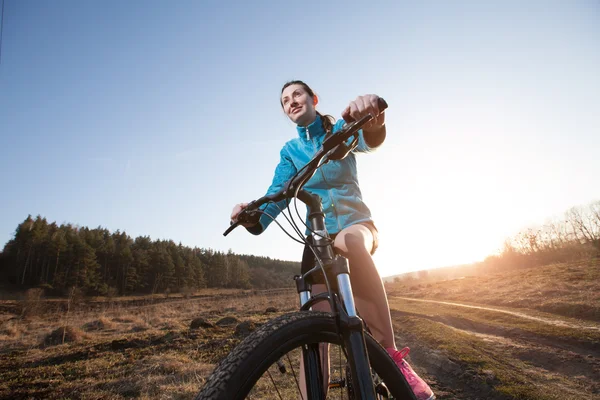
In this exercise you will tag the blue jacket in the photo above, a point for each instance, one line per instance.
(336, 182)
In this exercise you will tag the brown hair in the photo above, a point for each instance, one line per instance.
(326, 120)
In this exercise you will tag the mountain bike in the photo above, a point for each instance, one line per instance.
(266, 364)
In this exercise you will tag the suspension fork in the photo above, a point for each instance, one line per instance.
(313, 374)
(353, 332)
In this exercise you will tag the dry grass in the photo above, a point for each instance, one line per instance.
(569, 289)
(147, 349)
(125, 349)
(144, 352)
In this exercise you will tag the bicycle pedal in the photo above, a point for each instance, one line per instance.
(337, 383)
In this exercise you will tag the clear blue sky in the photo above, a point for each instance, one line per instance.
(155, 118)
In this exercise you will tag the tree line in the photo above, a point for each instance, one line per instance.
(572, 236)
(99, 262)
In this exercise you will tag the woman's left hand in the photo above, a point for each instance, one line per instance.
(362, 106)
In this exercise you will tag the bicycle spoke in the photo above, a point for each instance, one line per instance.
(274, 385)
(284, 382)
(295, 378)
(342, 375)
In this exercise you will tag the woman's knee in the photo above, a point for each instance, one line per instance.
(354, 240)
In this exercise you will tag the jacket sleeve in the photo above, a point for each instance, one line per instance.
(284, 171)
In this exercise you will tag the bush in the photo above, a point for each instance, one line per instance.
(62, 335)
(33, 303)
(112, 292)
(227, 321)
(47, 288)
(75, 295)
(187, 292)
(10, 329)
(201, 323)
(98, 325)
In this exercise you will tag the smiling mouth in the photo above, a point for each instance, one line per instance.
(295, 110)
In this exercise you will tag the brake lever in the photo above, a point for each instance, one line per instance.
(231, 227)
(243, 216)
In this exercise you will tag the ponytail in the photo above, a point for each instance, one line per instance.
(327, 121)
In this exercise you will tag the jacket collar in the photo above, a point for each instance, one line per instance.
(315, 129)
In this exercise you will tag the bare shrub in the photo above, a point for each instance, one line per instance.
(172, 325)
(111, 295)
(140, 327)
(174, 364)
(126, 320)
(201, 323)
(187, 292)
(33, 303)
(156, 321)
(245, 328)
(75, 296)
(9, 329)
(62, 335)
(227, 321)
(98, 325)
(112, 292)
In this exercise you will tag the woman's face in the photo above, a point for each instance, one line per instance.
(298, 105)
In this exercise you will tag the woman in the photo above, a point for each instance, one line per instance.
(347, 218)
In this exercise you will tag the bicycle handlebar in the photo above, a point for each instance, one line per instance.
(292, 187)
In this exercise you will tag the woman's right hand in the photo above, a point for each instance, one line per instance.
(236, 211)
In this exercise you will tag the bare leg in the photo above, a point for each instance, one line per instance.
(355, 243)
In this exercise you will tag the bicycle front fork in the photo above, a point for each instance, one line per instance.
(351, 328)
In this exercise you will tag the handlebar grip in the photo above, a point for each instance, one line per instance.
(381, 104)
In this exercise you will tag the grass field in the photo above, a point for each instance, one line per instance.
(528, 334)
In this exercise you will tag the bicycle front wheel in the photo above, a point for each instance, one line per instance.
(266, 364)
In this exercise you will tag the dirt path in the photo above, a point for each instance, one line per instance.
(558, 359)
(556, 322)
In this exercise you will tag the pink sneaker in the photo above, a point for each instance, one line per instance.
(418, 385)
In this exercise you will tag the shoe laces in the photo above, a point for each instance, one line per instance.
(404, 352)
(399, 355)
